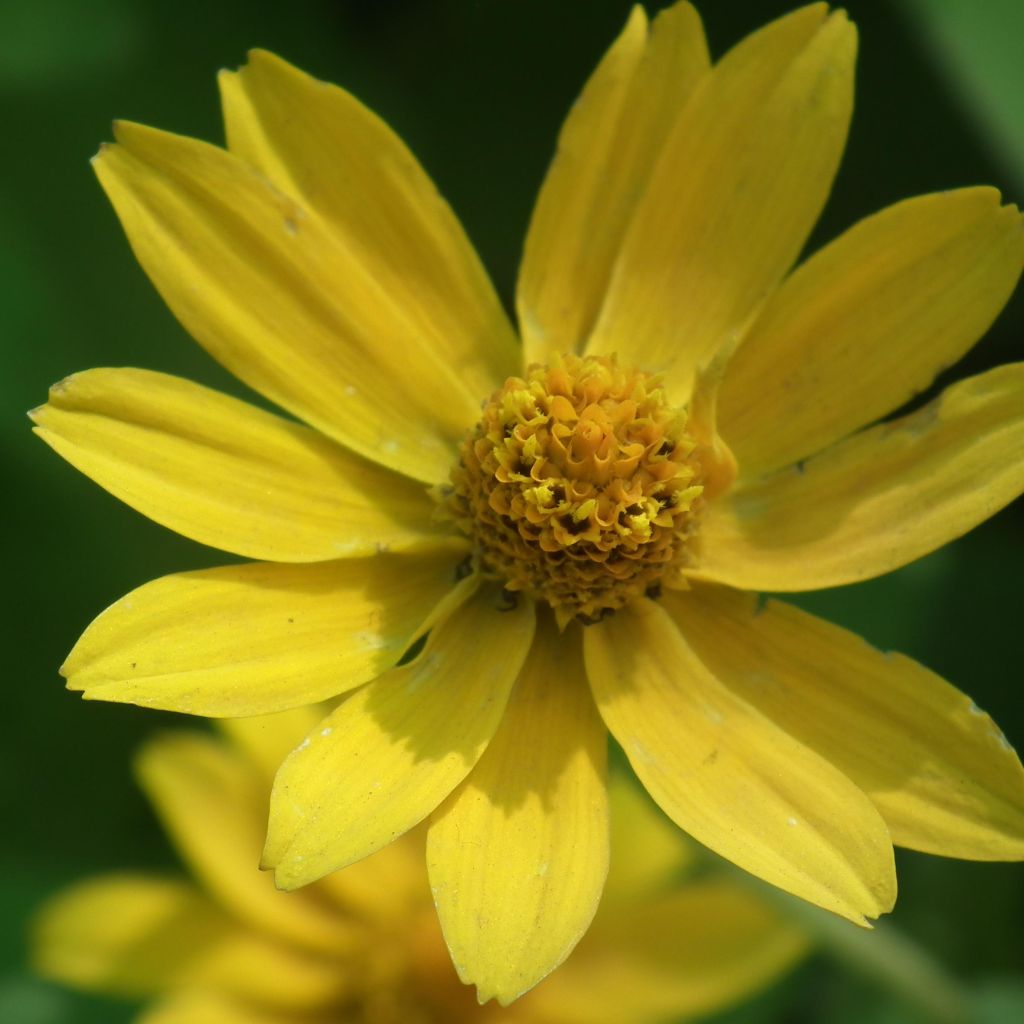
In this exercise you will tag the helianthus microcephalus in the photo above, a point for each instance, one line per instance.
(363, 945)
(689, 421)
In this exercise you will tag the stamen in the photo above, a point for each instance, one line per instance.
(579, 486)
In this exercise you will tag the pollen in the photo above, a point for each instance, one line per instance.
(579, 486)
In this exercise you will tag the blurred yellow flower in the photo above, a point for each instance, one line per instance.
(363, 944)
(688, 421)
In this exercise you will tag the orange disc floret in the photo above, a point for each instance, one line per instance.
(579, 485)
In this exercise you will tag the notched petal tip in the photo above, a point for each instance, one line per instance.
(259, 60)
(839, 34)
(60, 391)
(839, 22)
(288, 877)
(866, 915)
(820, 7)
(149, 145)
(992, 197)
(504, 996)
(879, 900)
(270, 859)
(280, 884)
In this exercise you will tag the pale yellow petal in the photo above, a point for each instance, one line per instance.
(266, 740)
(213, 807)
(318, 143)
(198, 1007)
(868, 322)
(389, 887)
(518, 854)
(125, 934)
(731, 778)
(942, 774)
(271, 975)
(880, 499)
(696, 950)
(277, 297)
(253, 639)
(135, 936)
(228, 474)
(648, 852)
(397, 747)
(606, 151)
(733, 197)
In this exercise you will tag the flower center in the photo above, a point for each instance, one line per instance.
(578, 486)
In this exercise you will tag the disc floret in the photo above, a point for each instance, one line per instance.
(579, 485)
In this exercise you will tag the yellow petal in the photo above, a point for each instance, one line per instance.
(253, 639)
(694, 951)
(278, 298)
(213, 806)
(731, 778)
(733, 197)
(128, 935)
(396, 748)
(228, 474)
(319, 144)
(266, 740)
(132, 935)
(519, 853)
(939, 770)
(648, 852)
(212, 1008)
(877, 500)
(390, 887)
(868, 322)
(606, 151)
(271, 975)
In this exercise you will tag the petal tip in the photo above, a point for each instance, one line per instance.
(636, 20)
(290, 874)
(279, 882)
(273, 852)
(839, 21)
(503, 995)
(258, 58)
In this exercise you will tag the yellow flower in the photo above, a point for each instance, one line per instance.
(688, 421)
(364, 944)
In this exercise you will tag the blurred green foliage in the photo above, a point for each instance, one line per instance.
(478, 89)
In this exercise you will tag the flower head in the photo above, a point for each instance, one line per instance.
(364, 945)
(578, 524)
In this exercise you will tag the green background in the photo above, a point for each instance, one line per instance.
(478, 89)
